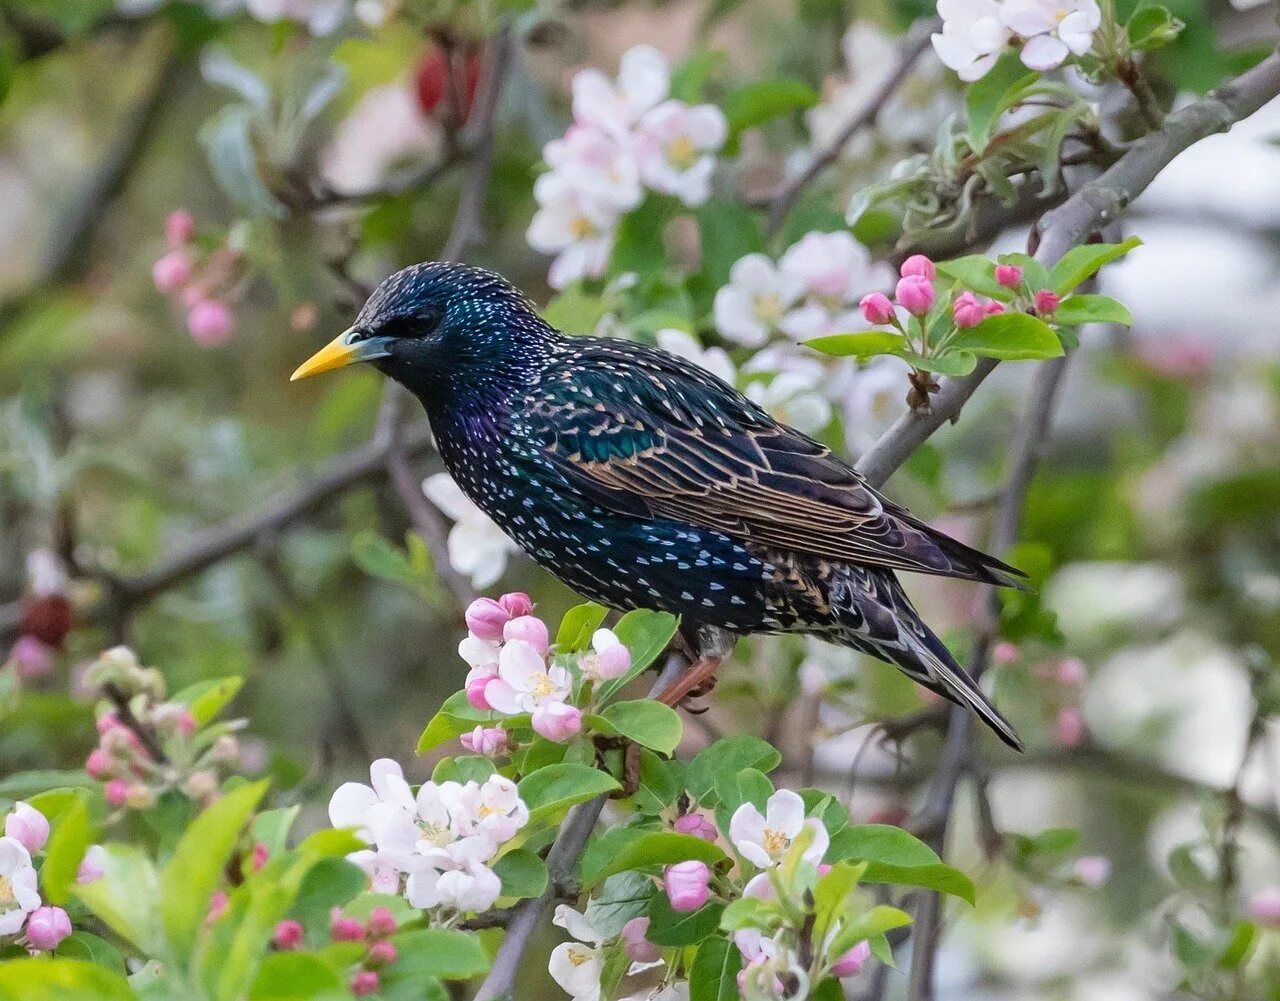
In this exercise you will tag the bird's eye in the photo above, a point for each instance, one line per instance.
(356, 336)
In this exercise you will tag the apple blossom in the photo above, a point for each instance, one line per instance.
(834, 270)
(179, 228)
(876, 308)
(638, 948)
(28, 826)
(1068, 727)
(918, 264)
(472, 888)
(792, 399)
(18, 894)
(967, 310)
(557, 721)
(852, 961)
(380, 954)
(1054, 29)
(916, 294)
(1047, 302)
(1071, 672)
(577, 966)
(493, 808)
(343, 928)
(477, 547)
(685, 345)
(91, 866)
(172, 271)
(993, 307)
(769, 960)
(1092, 870)
(874, 400)
(1009, 275)
(489, 741)
(972, 36)
(382, 922)
(609, 657)
(525, 681)
(353, 803)
(1005, 653)
(644, 79)
(576, 230)
(750, 308)
(364, 982)
(384, 876)
(531, 630)
(477, 684)
(763, 840)
(47, 926)
(210, 322)
(599, 165)
(287, 935)
(117, 792)
(1264, 908)
(697, 825)
(686, 885)
(676, 146)
(485, 619)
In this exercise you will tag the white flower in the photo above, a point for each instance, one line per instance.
(768, 961)
(477, 652)
(18, 895)
(972, 36)
(676, 145)
(751, 306)
(685, 345)
(874, 399)
(578, 230)
(525, 681)
(644, 78)
(384, 876)
(1054, 29)
(493, 809)
(792, 399)
(321, 17)
(352, 802)
(599, 166)
(835, 271)
(577, 966)
(46, 573)
(765, 840)
(477, 546)
(385, 132)
(470, 886)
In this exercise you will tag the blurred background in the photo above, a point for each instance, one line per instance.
(162, 484)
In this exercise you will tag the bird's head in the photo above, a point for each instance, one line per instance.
(439, 327)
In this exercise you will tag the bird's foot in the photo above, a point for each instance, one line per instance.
(697, 680)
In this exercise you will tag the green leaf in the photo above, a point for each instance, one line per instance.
(1092, 309)
(940, 877)
(946, 362)
(645, 634)
(647, 849)
(463, 769)
(576, 311)
(206, 699)
(196, 869)
(46, 979)
(523, 873)
(728, 755)
(328, 842)
(87, 946)
(1238, 944)
(762, 100)
(1080, 263)
(897, 857)
(713, 976)
(876, 921)
(1009, 336)
(989, 98)
(863, 345)
(750, 785)
(671, 928)
(577, 626)
(554, 788)
(456, 717)
(621, 898)
(440, 952)
(642, 721)
(689, 79)
(228, 139)
(271, 827)
(976, 273)
(640, 246)
(329, 883)
(294, 976)
(25, 785)
(1152, 26)
(659, 783)
(124, 898)
(727, 231)
(71, 836)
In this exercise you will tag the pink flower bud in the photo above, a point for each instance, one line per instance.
(28, 826)
(851, 962)
(610, 659)
(90, 869)
(686, 884)
(967, 310)
(47, 927)
(217, 907)
(260, 855)
(877, 308)
(485, 619)
(1068, 728)
(117, 792)
(31, 657)
(476, 684)
(919, 266)
(380, 954)
(106, 723)
(1264, 908)
(382, 922)
(1071, 672)
(993, 307)
(99, 764)
(516, 604)
(179, 228)
(489, 741)
(1009, 275)
(1092, 870)
(172, 272)
(344, 929)
(697, 825)
(638, 948)
(288, 935)
(209, 322)
(557, 721)
(530, 629)
(1047, 302)
(1006, 653)
(915, 294)
(364, 983)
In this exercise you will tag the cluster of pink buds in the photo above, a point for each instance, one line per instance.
(375, 934)
(1066, 678)
(200, 284)
(156, 745)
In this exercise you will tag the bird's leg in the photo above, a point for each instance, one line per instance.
(698, 678)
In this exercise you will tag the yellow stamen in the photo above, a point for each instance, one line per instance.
(775, 842)
(681, 153)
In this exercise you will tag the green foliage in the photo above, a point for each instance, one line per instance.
(643, 721)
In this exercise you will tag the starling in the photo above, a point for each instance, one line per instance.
(643, 481)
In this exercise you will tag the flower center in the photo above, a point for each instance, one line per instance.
(540, 686)
(579, 957)
(768, 309)
(7, 897)
(437, 834)
(774, 842)
(581, 227)
(681, 152)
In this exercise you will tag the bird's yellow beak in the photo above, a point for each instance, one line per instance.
(347, 348)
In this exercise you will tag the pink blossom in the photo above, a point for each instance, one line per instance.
(1047, 302)
(210, 323)
(851, 962)
(382, 922)
(261, 853)
(91, 869)
(915, 294)
(117, 792)
(288, 935)
(1092, 870)
(1264, 908)
(28, 826)
(381, 954)
(485, 619)
(530, 629)
(686, 884)
(179, 228)
(1176, 357)
(609, 657)
(489, 741)
(967, 310)
(1068, 728)
(993, 307)
(920, 266)
(877, 308)
(697, 825)
(99, 764)
(477, 681)
(217, 906)
(172, 271)
(516, 604)
(31, 657)
(638, 948)
(344, 929)
(1006, 653)
(46, 927)
(364, 983)
(1071, 672)
(557, 721)
(1009, 275)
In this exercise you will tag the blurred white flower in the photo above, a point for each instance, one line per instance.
(46, 573)
(321, 17)
(575, 228)
(764, 839)
(972, 36)
(685, 345)
(386, 131)
(1096, 600)
(1054, 29)
(792, 399)
(470, 889)
(477, 546)
(750, 308)
(599, 166)
(676, 146)
(525, 681)
(18, 894)
(644, 78)
(835, 271)
(873, 398)
(577, 966)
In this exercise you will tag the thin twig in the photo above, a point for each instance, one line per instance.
(124, 713)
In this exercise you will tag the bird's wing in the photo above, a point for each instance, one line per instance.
(639, 433)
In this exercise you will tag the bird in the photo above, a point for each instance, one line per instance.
(641, 480)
